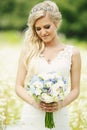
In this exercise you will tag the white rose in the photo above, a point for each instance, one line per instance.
(46, 98)
(54, 90)
(38, 91)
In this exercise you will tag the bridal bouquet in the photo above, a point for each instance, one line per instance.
(47, 87)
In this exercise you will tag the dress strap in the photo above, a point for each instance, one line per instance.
(69, 54)
(69, 49)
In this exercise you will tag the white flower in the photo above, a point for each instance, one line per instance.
(38, 91)
(2, 118)
(43, 76)
(2, 109)
(38, 84)
(48, 84)
(54, 91)
(46, 98)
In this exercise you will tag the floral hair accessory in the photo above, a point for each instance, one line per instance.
(41, 8)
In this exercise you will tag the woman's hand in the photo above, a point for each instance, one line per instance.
(50, 107)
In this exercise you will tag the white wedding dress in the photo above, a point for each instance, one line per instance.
(32, 118)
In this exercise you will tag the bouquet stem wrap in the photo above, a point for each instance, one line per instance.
(49, 121)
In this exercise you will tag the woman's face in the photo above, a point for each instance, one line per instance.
(45, 29)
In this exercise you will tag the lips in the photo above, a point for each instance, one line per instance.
(45, 36)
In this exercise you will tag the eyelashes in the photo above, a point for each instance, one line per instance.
(45, 27)
(37, 28)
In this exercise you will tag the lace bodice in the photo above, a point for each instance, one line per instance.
(61, 64)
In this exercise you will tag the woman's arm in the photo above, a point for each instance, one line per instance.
(75, 78)
(19, 87)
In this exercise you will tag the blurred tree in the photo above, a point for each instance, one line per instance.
(14, 14)
(6, 7)
(74, 18)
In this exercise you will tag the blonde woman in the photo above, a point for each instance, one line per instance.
(44, 52)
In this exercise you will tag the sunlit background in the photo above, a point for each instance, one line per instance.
(13, 22)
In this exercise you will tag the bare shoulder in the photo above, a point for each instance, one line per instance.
(76, 51)
(76, 54)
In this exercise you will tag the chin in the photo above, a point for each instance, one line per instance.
(47, 40)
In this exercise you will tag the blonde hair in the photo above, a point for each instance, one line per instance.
(33, 44)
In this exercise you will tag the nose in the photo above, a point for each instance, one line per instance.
(43, 32)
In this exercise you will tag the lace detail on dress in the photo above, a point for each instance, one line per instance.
(61, 63)
(67, 54)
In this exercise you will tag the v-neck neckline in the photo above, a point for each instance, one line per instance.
(54, 59)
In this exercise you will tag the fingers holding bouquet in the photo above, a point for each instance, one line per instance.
(50, 107)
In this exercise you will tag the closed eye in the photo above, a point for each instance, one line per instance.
(47, 26)
(37, 28)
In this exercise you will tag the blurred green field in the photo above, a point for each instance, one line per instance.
(10, 105)
(16, 38)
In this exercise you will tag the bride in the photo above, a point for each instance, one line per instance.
(44, 52)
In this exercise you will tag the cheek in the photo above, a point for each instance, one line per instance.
(52, 32)
(52, 29)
